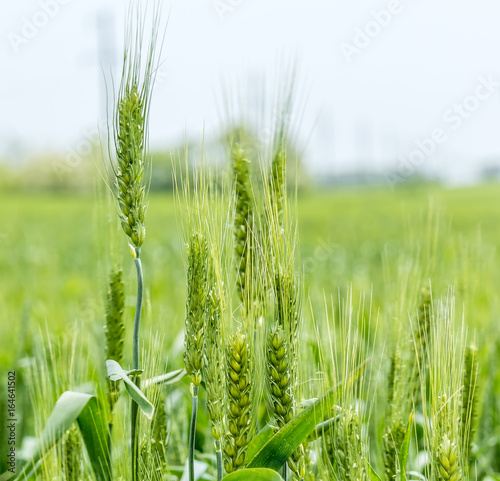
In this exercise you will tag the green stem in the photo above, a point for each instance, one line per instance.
(110, 434)
(192, 430)
(138, 307)
(218, 456)
(284, 472)
(134, 420)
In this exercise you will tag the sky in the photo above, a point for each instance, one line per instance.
(404, 85)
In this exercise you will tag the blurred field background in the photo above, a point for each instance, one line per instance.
(57, 248)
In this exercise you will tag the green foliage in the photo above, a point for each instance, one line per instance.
(88, 413)
(260, 474)
(116, 373)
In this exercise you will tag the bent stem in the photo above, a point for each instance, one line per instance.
(218, 456)
(284, 472)
(192, 430)
(134, 427)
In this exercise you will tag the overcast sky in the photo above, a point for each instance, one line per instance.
(381, 74)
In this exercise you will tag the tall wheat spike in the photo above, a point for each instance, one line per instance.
(239, 376)
(132, 165)
(131, 126)
(214, 365)
(469, 400)
(406, 374)
(72, 455)
(443, 428)
(195, 307)
(115, 327)
(243, 220)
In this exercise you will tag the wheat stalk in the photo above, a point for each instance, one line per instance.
(131, 126)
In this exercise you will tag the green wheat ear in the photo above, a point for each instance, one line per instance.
(392, 441)
(278, 369)
(115, 327)
(282, 354)
(243, 218)
(469, 400)
(72, 455)
(131, 127)
(159, 433)
(239, 375)
(348, 446)
(423, 327)
(130, 160)
(214, 366)
(195, 307)
(448, 467)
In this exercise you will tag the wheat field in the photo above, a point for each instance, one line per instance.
(238, 327)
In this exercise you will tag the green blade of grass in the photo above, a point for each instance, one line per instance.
(405, 448)
(165, 379)
(372, 474)
(94, 429)
(89, 414)
(259, 474)
(116, 373)
(258, 442)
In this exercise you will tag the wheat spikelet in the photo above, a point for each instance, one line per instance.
(347, 442)
(309, 474)
(130, 163)
(131, 126)
(392, 441)
(243, 219)
(145, 457)
(422, 330)
(159, 433)
(72, 455)
(393, 377)
(469, 400)
(421, 338)
(214, 366)
(448, 467)
(239, 375)
(404, 384)
(115, 327)
(282, 360)
(195, 307)
(277, 179)
(287, 316)
(395, 428)
(280, 390)
(279, 377)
